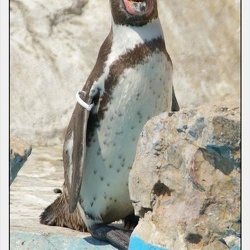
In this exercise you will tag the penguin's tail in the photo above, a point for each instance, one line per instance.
(57, 214)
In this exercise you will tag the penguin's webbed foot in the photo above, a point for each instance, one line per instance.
(117, 237)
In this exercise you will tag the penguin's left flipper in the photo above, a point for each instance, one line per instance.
(117, 237)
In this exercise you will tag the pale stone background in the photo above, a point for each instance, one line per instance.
(53, 48)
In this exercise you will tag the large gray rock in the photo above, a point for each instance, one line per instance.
(185, 181)
(54, 44)
(19, 153)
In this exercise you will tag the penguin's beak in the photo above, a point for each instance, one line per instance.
(138, 7)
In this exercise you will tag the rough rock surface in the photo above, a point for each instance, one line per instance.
(19, 152)
(54, 45)
(185, 181)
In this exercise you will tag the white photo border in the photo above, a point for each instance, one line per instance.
(4, 124)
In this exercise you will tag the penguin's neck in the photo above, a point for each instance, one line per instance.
(126, 37)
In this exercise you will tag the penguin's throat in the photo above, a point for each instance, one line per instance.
(138, 7)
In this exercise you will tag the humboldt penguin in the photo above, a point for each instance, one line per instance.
(130, 83)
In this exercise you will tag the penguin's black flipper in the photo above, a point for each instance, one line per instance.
(75, 157)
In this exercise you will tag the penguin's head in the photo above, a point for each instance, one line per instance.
(133, 12)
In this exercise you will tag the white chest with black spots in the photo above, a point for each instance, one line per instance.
(141, 93)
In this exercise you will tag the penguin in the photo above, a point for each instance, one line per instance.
(130, 83)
